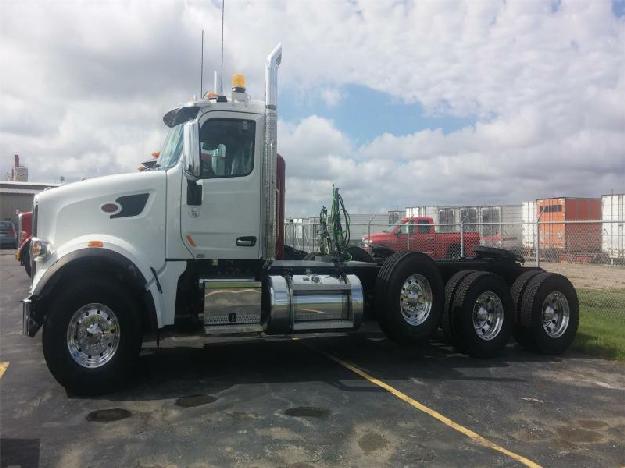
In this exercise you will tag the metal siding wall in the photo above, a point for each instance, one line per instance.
(10, 202)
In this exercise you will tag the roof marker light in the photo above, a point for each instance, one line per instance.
(238, 83)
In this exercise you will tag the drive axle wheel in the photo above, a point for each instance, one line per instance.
(451, 287)
(551, 305)
(481, 315)
(409, 297)
(91, 337)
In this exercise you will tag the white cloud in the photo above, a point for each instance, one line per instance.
(84, 85)
(331, 96)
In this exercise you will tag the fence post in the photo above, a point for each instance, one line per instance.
(461, 238)
(369, 229)
(408, 238)
(537, 246)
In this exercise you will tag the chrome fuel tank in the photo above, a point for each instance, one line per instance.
(313, 302)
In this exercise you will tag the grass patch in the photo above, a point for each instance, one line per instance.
(601, 323)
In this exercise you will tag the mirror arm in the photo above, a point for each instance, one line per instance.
(189, 175)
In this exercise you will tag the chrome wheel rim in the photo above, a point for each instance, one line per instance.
(415, 299)
(488, 315)
(556, 314)
(93, 335)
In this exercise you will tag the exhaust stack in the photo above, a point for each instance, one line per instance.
(269, 163)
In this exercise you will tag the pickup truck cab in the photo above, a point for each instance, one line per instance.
(418, 233)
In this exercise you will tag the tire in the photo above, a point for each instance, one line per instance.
(517, 290)
(493, 293)
(450, 293)
(26, 260)
(359, 254)
(549, 291)
(111, 297)
(416, 274)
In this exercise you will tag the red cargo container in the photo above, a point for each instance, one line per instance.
(573, 238)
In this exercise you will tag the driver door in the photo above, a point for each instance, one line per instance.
(220, 212)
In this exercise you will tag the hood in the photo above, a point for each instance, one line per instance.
(91, 205)
(378, 236)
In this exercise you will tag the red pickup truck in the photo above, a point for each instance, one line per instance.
(24, 233)
(418, 233)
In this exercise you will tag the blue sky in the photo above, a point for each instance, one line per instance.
(362, 113)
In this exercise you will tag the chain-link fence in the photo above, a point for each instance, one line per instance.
(590, 253)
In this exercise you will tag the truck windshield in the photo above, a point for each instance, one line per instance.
(393, 226)
(172, 149)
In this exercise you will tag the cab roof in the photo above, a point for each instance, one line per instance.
(190, 110)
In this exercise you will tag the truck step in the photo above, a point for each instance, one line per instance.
(232, 306)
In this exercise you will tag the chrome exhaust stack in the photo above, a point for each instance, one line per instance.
(270, 155)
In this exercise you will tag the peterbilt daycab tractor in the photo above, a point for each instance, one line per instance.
(191, 244)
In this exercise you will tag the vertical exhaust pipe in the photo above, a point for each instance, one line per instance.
(270, 155)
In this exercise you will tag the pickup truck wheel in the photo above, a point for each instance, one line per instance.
(482, 314)
(453, 252)
(551, 303)
(450, 294)
(409, 297)
(91, 337)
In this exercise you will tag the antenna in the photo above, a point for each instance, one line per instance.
(202, 68)
(223, 3)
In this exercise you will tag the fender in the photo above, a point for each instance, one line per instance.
(86, 259)
(149, 262)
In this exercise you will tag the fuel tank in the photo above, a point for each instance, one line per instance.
(308, 302)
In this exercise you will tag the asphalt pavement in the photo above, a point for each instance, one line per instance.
(319, 400)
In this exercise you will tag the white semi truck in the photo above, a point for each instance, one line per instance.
(193, 242)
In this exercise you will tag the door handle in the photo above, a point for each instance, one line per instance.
(246, 241)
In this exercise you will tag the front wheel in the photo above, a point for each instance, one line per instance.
(91, 337)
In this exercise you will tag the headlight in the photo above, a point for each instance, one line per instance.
(39, 249)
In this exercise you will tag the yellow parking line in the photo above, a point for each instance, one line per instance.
(3, 367)
(474, 436)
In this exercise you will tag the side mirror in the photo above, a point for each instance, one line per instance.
(191, 151)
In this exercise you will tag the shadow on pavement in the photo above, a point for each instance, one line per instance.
(174, 370)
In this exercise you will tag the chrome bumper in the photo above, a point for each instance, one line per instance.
(29, 325)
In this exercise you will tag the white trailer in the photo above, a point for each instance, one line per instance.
(500, 226)
(528, 227)
(613, 231)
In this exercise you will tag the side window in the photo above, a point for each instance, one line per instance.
(407, 228)
(227, 148)
(424, 226)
